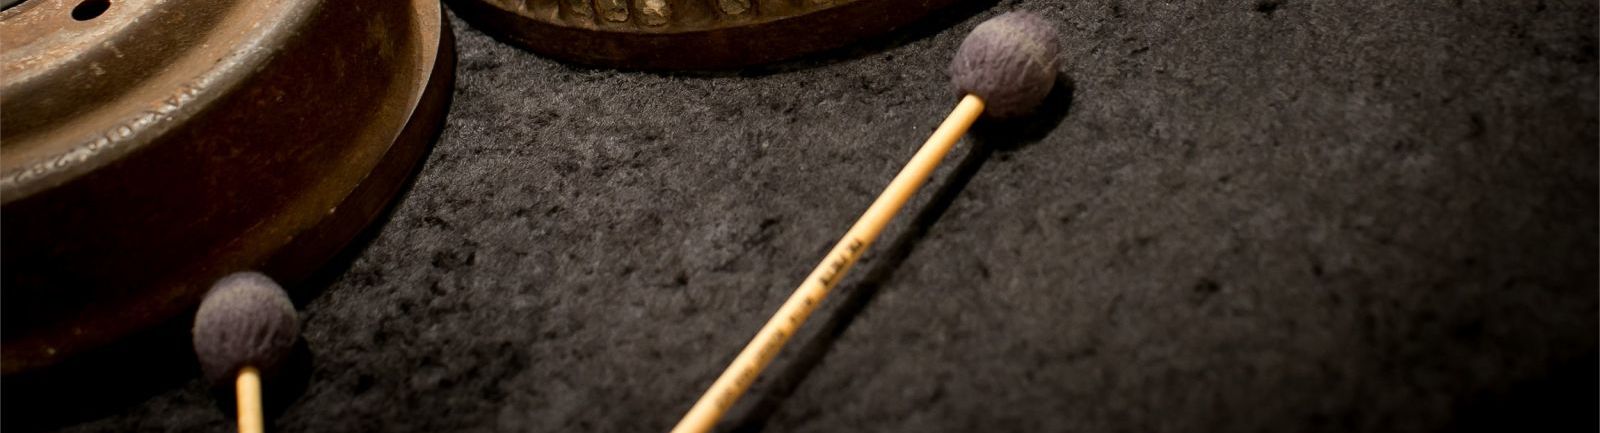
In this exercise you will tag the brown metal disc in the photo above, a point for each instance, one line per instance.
(688, 34)
(152, 147)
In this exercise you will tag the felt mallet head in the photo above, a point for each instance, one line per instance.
(245, 320)
(1009, 61)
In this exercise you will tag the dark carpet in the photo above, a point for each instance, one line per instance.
(1238, 216)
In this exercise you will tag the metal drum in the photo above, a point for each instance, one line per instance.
(149, 147)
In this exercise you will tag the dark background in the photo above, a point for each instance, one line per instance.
(1232, 216)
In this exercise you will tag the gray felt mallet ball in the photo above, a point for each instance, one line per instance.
(1010, 62)
(245, 320)
(246, 326)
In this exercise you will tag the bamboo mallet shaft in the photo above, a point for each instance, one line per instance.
(765, 346)
(1006, 66)
(247, 391)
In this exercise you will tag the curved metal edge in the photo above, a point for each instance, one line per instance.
(381, 188)
(722, 48)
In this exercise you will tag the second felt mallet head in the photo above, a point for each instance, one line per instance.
(1009, 62)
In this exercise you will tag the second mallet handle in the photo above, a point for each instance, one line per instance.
(743, 371)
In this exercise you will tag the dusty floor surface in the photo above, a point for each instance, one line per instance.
(1284, 215)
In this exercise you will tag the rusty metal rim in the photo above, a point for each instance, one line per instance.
(749, 43)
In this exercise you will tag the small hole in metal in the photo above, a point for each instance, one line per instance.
(90, 9)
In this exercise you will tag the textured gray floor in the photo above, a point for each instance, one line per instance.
(1276, 216)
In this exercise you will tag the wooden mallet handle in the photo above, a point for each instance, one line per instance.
(756, 355)
(247, 390)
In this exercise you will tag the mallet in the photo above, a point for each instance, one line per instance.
(1007, 65)
(246, 326)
